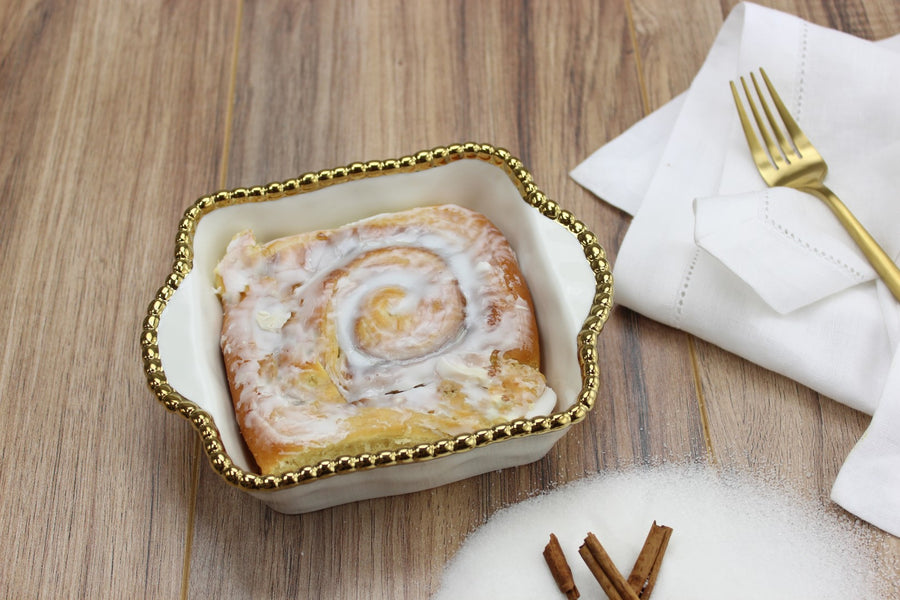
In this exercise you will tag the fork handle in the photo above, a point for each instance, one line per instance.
(878, 258)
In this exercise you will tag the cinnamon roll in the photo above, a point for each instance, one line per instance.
(400, 329)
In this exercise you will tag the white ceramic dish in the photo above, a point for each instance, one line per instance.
(565, 268)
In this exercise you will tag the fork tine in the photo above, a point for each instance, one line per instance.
(756, 150)
(800, 139)
(786, 149)
(774, 152)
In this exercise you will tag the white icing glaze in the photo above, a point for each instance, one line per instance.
(305, 303)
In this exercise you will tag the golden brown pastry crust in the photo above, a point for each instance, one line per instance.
(401, 329)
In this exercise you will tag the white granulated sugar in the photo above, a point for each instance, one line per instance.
(734, 537)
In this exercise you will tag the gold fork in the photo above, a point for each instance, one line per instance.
(801, 167)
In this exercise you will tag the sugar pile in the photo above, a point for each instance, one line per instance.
(735, 536)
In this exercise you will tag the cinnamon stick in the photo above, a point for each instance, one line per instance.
(605, 571)
(559, 568)
(599, 574)
(646, 567)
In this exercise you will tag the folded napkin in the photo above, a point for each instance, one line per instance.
(769, 274)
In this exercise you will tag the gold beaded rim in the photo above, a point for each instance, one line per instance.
(202, 421)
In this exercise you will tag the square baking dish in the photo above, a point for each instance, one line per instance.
(562, 261)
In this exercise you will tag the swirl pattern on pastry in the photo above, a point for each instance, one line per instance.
(401, 329)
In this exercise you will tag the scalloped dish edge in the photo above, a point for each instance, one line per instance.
(204, 422)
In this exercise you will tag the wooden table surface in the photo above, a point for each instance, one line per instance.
(116, 115)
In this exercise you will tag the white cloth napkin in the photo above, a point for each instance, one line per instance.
(769, 274)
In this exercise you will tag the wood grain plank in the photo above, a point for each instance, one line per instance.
(673, 40)
(106, 110)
